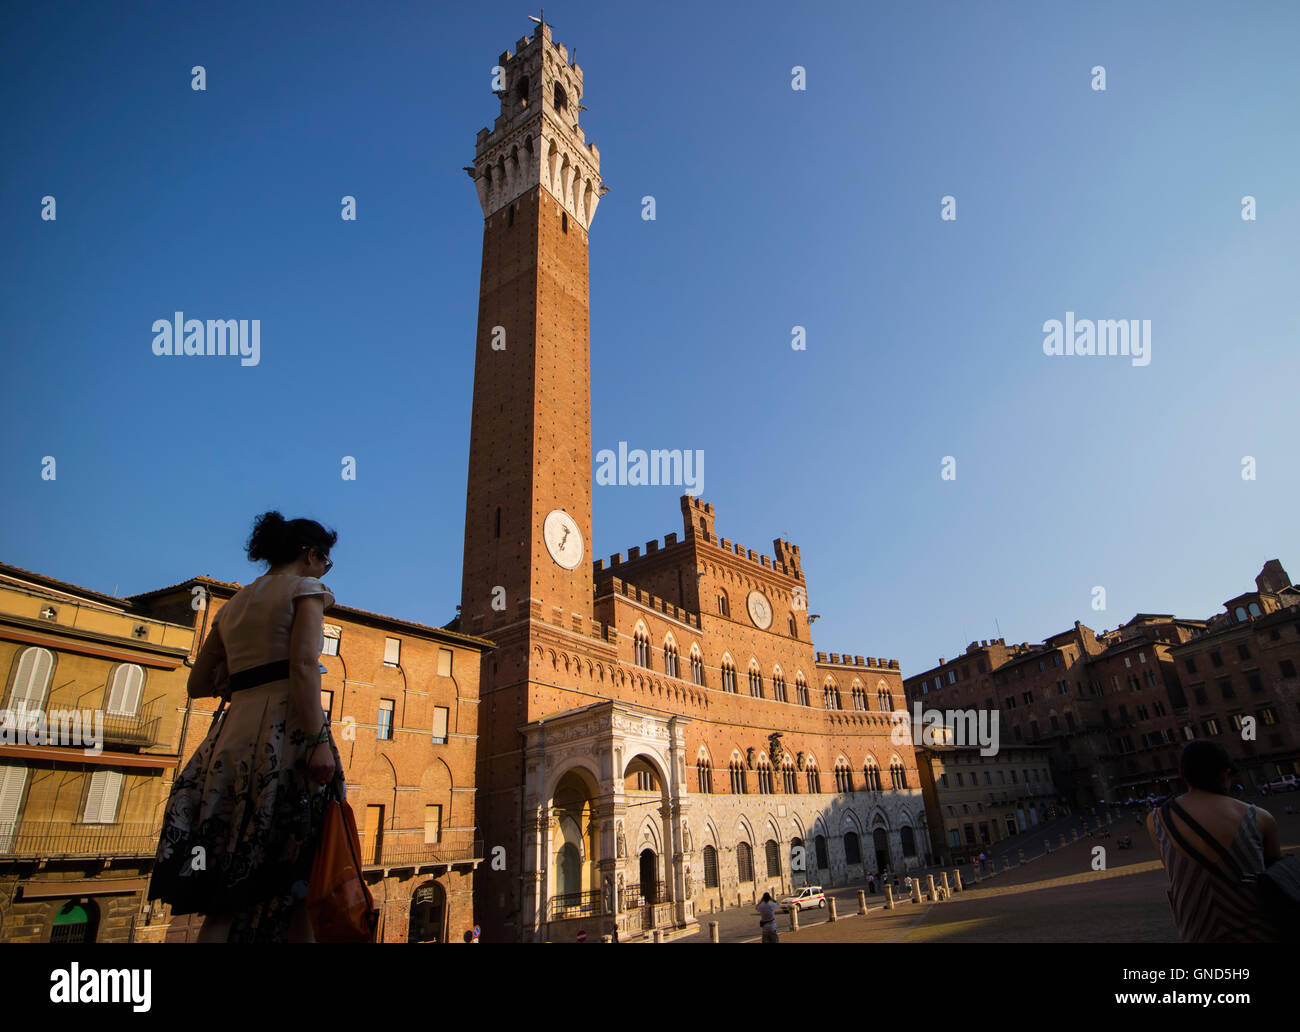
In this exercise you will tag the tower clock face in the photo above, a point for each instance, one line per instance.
(760, 610)
(563, 539)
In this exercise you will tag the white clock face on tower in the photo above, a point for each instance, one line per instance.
(563, 539)
(760, 610)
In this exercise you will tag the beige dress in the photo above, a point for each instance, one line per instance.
(243, 818)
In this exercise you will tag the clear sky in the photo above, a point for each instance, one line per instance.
(775, 208)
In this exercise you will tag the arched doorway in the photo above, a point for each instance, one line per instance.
(75, 922)
(880, 843)
(908, 838)
(428, 914)
(649, 877)
(574, 884)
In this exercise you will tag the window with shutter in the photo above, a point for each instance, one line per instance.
(710, 867)
(392, 651)
(13, 779)
(35, 670)
(432, 824)
(440, 725)
(101, 800)
(444, 662)
(124, 694)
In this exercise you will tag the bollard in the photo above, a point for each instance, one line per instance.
(1006, 863)
(1062, 840)
(830, 904)
(713, 931)
(975, 872)
(956, 879)
(740, 900)
(947, 889)
(658, 935)
(889, 897)
(916, 890)
(862, 902)
(1075, 834)
(929, 886)
(794, 919)
(1021, 856)
(1047, 846)
(610, 938)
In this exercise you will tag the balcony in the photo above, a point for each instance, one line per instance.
(49, 840)
(397, 849)
(139, 730)
(53, 725)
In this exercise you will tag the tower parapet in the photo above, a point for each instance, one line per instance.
(536, 140)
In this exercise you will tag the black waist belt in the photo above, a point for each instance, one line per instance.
(259, 675)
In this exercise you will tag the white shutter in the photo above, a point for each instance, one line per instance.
(12, 781)
(392, 651)
(440, 723)
(112, 792)
(124, 696)
(444, 662)
(35, 668)
(94, 798)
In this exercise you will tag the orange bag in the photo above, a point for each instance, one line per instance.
(339, 902)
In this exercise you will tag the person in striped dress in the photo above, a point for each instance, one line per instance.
(1214, 847)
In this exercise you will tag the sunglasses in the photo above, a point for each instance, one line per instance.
(329, 563)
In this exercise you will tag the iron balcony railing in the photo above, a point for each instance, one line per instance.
(77, 726)
(51, 839)
(576, 904)
(409, 848)
(634, 896)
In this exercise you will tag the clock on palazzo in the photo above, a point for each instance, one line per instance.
(760, 610)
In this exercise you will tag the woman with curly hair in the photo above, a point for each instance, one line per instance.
(242, 822)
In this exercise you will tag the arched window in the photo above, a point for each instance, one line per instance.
(789, 777)
(778, 687)
(897, 775)
(1241, 614)
(823, 856)
(728, 675)
(710, 867)
(908, 839)
(35, 669)
(1254, 609)
(814, 778)
(737, 778)
(885, 698)
(764, 776)
(697, 667)
(704, 775)
(670, 658)
(755, 681)
(125, 690)
(801, 690)
(521, 90)
(871, 773)
(831, 695)
(852, 848)
(641, 648)
(724, 603)
(75, 922)
(745, 861)
(561, 100)
(773, 851)
(859, 698)
(843, 777)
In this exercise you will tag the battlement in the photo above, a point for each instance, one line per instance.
(616, 560)
(699, 517)
(844, 659)
(620, 587)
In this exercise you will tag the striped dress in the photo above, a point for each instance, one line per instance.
(1219, 904)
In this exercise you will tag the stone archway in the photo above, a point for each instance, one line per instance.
(428, 914)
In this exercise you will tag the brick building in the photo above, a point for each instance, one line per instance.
(94, 694)
(1116, 706)
(658, 733)
(976, 801)
(402, 699)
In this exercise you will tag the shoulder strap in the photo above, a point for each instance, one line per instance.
(1187, 846)
(1191, 821)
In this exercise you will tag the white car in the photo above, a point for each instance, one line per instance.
(1285, 783)
(808, 896)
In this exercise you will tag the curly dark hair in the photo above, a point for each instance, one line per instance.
(277, 540)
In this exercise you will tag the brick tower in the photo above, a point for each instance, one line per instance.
(527, 576)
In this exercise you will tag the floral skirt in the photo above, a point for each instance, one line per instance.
(241, 825)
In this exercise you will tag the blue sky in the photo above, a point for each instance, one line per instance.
(775, 208)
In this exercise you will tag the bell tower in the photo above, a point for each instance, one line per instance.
(528, 505)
